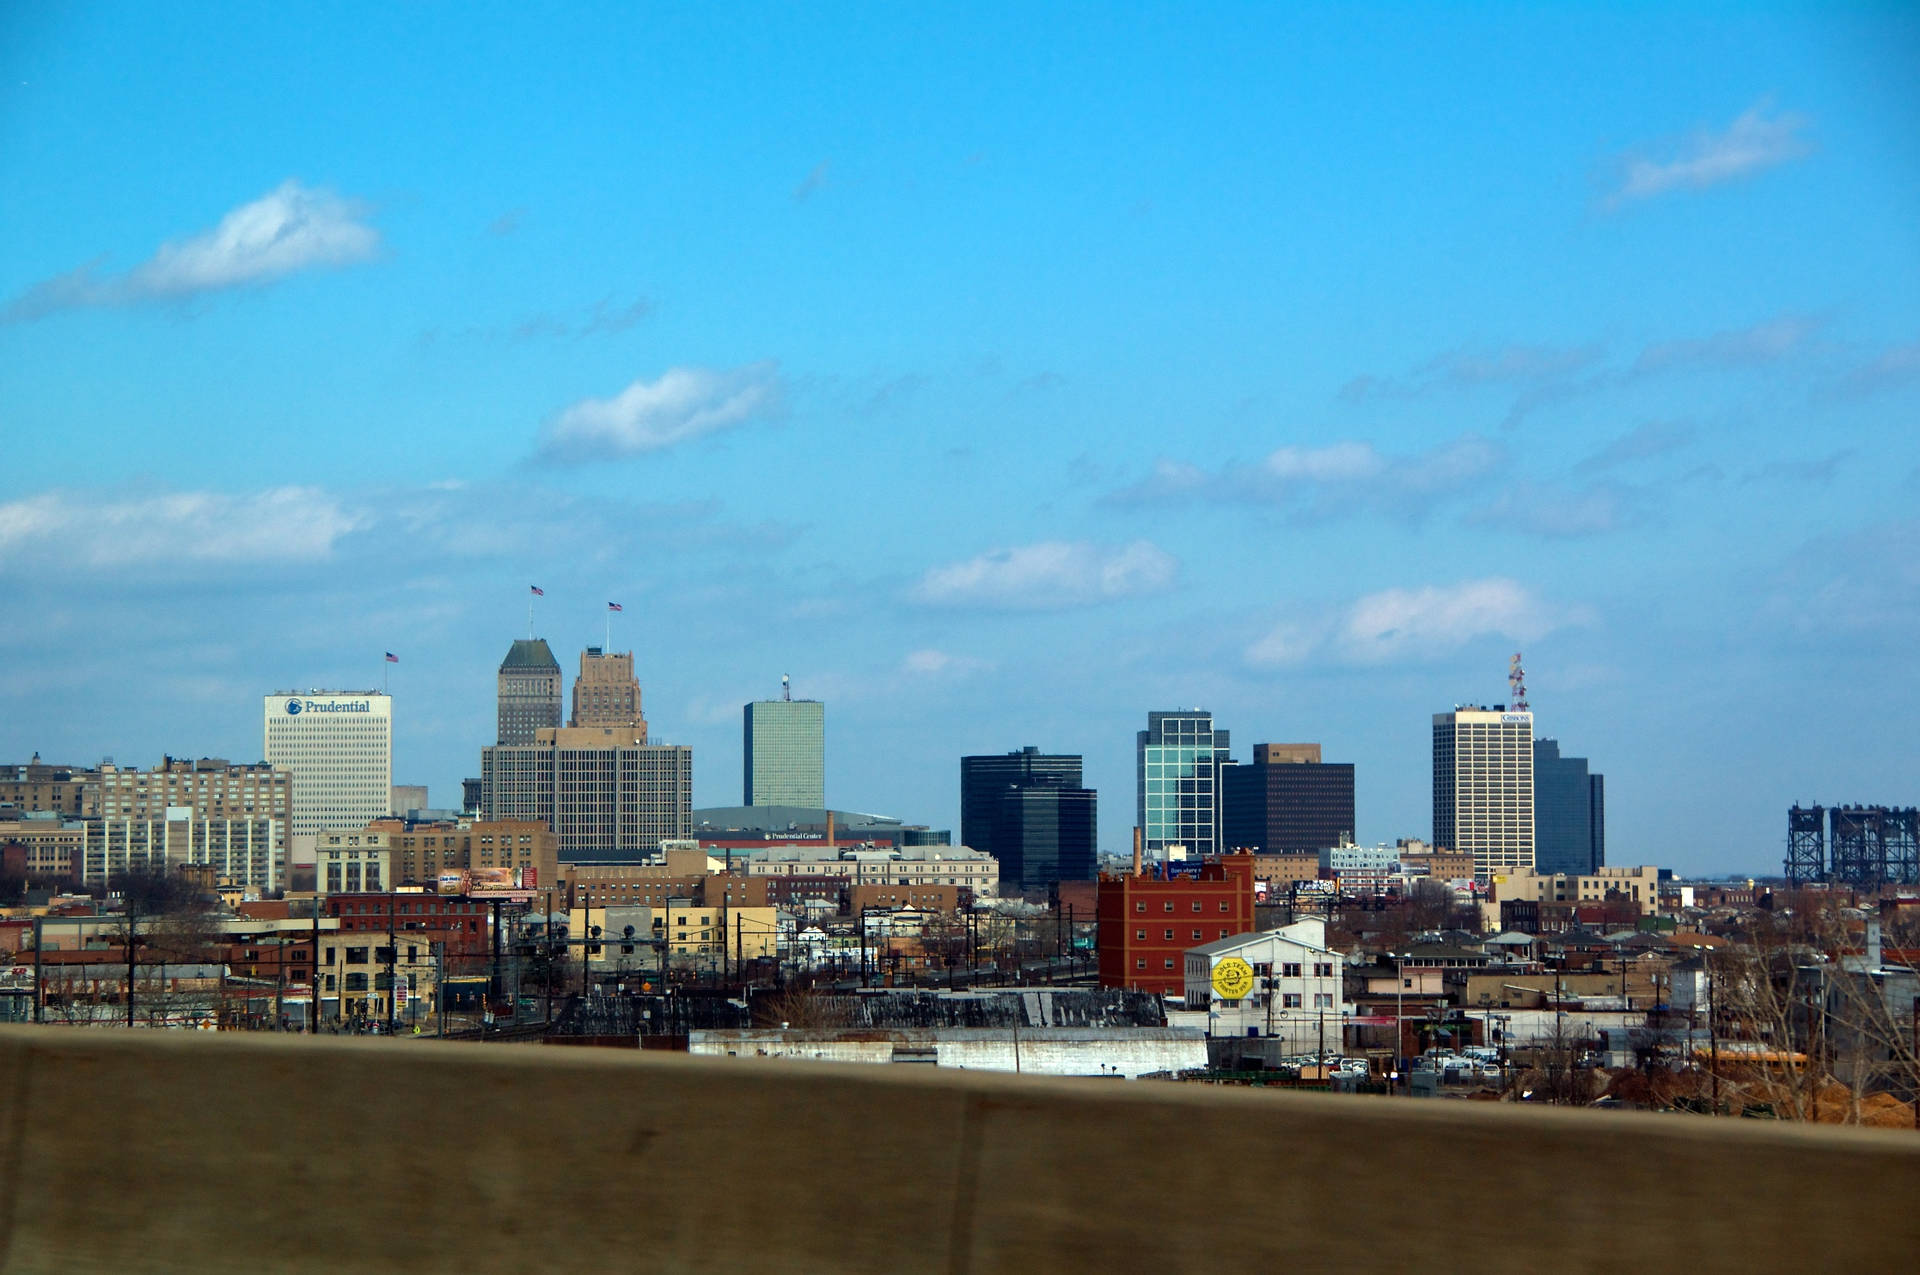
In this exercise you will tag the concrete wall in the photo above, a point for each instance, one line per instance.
(1045, 1051)
(152, 1151)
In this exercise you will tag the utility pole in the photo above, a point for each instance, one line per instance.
(393, 985)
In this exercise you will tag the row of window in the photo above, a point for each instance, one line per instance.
(1141, 906)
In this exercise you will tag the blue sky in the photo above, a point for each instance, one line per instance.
(1001, 373)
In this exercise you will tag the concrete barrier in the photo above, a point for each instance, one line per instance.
(153, 1151)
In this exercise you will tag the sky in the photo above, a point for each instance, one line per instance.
(999, 372)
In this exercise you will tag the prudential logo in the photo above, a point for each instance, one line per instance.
(293, 707)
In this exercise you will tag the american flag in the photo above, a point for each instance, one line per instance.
(613, 606)
(537, 589)
(392, 658)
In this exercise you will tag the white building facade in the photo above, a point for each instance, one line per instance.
(338, 747)
(1483, 788)
(1283, 983)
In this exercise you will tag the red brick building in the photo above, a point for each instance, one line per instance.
(458, 921)
(1147, 923)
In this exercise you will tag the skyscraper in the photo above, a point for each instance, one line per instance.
(601, 789)
(1029, 810)
(1180, 756)
(607, 693)
(529, 691)
(1288, 800)
(1483, 787)
(338, 747)
(1569, 813)
(784, 753)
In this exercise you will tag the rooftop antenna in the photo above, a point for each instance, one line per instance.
(786, 688)
(1517, 685)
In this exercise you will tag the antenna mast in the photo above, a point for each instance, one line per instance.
(786, 688)
(1517, 685)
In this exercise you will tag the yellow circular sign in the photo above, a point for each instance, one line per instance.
(1232, 979)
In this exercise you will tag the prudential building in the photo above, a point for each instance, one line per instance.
(338, 746)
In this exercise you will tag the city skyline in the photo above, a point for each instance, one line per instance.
(1298, 365)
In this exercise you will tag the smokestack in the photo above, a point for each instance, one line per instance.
(829, 829)
(1136, 852)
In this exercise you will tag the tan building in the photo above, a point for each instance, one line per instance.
(923, 898)
(1641, 885)
(418, 854)
(1417, 859)
(37, 788)
(1281, 870)
(908, 865)
(607, 693)
(55, 847)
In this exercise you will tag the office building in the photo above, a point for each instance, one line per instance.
(337, 746)
(1569, 813)
(473, 856)
(603, 791)
(1483, 788)
(784, 753)
(529, 691)
(1179, 758)
(607, 693)
(1288, 801)
(1030, 811)
(37, 788)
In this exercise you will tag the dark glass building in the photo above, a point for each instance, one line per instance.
(1028, 810)
(1569, 813)
(1287, 801)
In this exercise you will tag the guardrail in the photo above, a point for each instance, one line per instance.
(156, 1151)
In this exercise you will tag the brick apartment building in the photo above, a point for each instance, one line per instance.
(1147, 923)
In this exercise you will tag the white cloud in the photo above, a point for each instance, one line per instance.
(929, 662)
(1050, 575)
(290, 228)
(281, 524)
(1324, 481)
(684, 403)
(1753, 142)
(1409, 624)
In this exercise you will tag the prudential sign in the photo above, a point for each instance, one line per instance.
(295, 707)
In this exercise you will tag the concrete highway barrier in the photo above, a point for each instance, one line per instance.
(132, 1151)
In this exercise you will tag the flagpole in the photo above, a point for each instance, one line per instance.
(609, 630)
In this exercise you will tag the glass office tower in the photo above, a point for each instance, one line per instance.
(784, 753)
(1180, 757)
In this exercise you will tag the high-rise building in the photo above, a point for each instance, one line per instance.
(1569, 813)
(607, 693)
(783, 753)
(529, 691)
(600, 789)
(1287, 802)
(1483, 787)
(209, 813)
(1179, 759)
(338, 748)
(1029, 810)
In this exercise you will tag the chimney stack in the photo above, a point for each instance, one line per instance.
(1136, 852)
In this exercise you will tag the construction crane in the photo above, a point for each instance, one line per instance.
(1517, 685)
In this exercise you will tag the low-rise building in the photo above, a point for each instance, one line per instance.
(1281, 982)
(1147, 922)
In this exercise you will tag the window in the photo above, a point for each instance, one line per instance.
(1290, 969)
(1140, 906)
(1323, 969)
(1196, 905)
(1223, 905)
(1290, 1000)
(1139, 964)
(1196, 936)
(356, 956)
(355, 982)
(1168, 962)
(1167, 935)
(1323, 1000)
(1140, 936)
